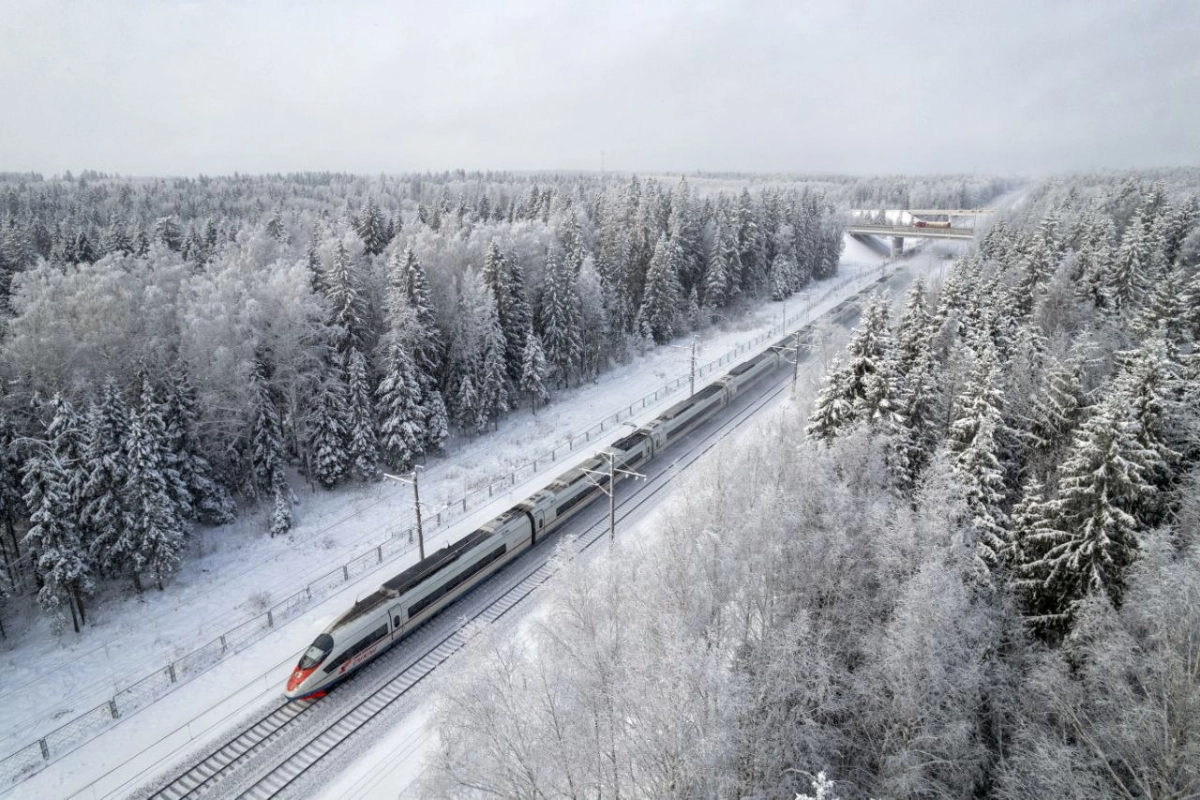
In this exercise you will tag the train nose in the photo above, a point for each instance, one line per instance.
(297, 679)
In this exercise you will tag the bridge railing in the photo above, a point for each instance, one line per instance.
(910, 230)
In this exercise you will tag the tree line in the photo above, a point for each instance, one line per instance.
(969, 569)
(322, 327)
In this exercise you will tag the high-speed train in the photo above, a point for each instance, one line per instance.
(407, 600)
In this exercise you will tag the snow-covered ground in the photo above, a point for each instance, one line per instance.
(237, 571)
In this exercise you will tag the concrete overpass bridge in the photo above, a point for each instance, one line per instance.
(914, 224)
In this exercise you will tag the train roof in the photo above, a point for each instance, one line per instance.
(398, 585)
(747, 365)
(629, 441)
(684, 405)
(433, 564)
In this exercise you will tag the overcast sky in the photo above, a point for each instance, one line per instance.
(154, 88)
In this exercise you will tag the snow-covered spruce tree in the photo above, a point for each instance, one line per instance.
(347, 309)
(401, 416)
(512, 310)
(560, 320)
(156, 531)
(493, 386)
(656, 318)
(58, 556)
(717, 273)
(372, 229)
(863, 388)
(1056, 411)
(426, 349)
(437, 421)
(915, 438)
(103, 514)
(1128, 276)
(466, 403)
(913, 331)
(517, 319)
(981, 397)
(834, 408)
(981, 475)
(1164, 309)
(363, 452)
(1148, 386)
(533, 373)
(266, 435)
(1092, 535)
(207, 500)
(12, 506)
(328, 429)
(781, 277)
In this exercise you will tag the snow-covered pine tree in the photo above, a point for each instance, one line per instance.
(981, 476)
(207, 500)
(58, 555)
(316, 270)
(560, 320)
(1128, 273)
(425, 345)
(870, 385)
(1056, 410)
(437, 421)
(781, 277)
(1147, 385)
(12, 506)
(329, 434)
(372, 229)
(533, 373)
(282, 501)
(915, 438)
(156, 531)
(913, 331)
(466, 403)
(494, 386)
(750, 246)
(266, 434)
(656, 318)
(347, 309)
(363, 452)
(570, 239)
(517, 319)
(980, 398)
(104, 516)
(716, 286)
(834, 409)
(401, 416)
(1092, 532)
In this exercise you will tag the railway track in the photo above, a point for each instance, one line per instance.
(237, 754)
(232, 761)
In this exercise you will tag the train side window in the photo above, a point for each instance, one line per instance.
(397, 621)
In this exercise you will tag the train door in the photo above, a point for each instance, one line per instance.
(538, 521)
(396, 618)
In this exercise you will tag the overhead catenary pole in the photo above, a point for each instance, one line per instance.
(610, 489)
(692, 380)
(795, 361)
(416, 505)
(693, 384)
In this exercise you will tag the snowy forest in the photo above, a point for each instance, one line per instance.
(173, 350)
(969, 568)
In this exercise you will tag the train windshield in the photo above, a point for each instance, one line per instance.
(317, 652)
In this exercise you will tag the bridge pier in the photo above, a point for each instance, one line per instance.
(897, 245)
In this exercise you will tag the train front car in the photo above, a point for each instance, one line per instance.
(306, 682)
